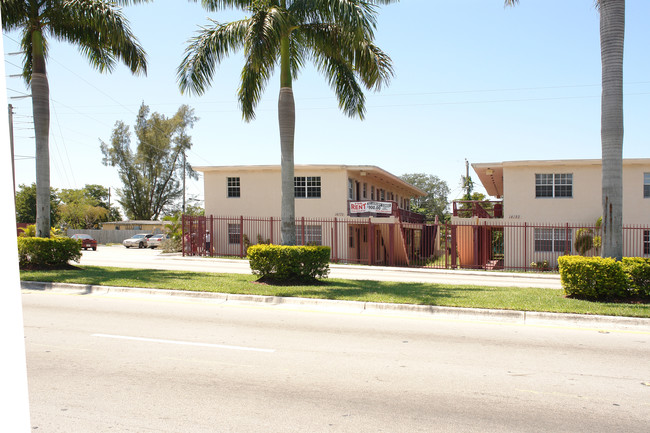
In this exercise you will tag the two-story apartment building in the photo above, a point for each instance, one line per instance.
(545, 204)
(362, 212)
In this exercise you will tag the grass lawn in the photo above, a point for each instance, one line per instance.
(506, 298)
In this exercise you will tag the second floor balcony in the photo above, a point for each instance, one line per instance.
(488, 209)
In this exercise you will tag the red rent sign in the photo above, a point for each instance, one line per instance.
(371, 206)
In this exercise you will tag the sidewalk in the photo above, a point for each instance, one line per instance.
(522, 318)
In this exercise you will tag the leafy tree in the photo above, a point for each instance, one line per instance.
(612, 32)
(85, 208)
(26, 204)
(152, 175)
(102, 34)
(336, 35)
(435, 202)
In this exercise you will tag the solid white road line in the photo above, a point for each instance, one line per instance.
(184, 343)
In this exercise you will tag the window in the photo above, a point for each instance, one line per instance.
(233, 187)
(313, 235)
(307, 187)
(372, 192)
(234, 233)
(365, 191)
(553, 240)
(554, 185)
(350, 189)
(646, 185)
(646, 242)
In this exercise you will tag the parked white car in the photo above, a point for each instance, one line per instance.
(156, 240)
(139, 240)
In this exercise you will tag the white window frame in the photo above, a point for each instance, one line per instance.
(313, 235)
(233, 187)
(646, 185)
(552, 240)
(307, 186)
(234, 234)
(646, 242)
(555, 185)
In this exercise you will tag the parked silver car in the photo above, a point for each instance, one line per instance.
(156, 240)
(139, 240)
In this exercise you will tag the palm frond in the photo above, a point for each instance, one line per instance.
(215, 5)
(343, 81)
(356, 16)
(15, 14)
(370, 64)
(262, 51)
(205, 52)
(100, 31)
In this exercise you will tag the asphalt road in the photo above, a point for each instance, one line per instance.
(119, 256)
(152, 364)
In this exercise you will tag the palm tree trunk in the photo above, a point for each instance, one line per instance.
(612, 31)
(287, 121)
(41, 112)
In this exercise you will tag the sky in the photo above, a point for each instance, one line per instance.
(473, 81)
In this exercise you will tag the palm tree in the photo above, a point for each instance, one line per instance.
(102, 34)
(612, 32)
(336, 35)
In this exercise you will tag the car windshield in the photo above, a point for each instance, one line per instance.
(138, 236)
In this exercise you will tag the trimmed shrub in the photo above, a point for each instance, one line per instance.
(593, 278)
(289, 264)
(47, 253)
(638, 272)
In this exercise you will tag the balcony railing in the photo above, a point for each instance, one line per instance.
(481, 209)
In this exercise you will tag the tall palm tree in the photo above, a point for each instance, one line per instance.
(612, 33)
(102, 34)
(336, 35)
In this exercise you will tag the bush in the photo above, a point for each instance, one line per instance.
(171, 245)
(47, 253)
(289, 264)
(593, 278)
(638, 272)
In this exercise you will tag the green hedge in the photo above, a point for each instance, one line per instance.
(638, 272)
(37, 253)
(289, 264)
(602, 279)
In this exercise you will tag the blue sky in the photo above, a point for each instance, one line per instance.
(473, 80)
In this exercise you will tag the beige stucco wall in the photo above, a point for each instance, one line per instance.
(586, 204)
(260, 190)
(260, 193)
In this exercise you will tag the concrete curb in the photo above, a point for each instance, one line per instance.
(533, 318)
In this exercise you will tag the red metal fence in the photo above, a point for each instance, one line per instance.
(352, 240)
(469, 245)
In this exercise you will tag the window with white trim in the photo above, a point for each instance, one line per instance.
(553, 240)
(646, 242)
(307, 186)
(313, 235)
(646, 185)
(553, 185)
(234, 187)
(234, 233)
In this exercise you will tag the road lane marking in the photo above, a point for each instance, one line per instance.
(184, 343)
